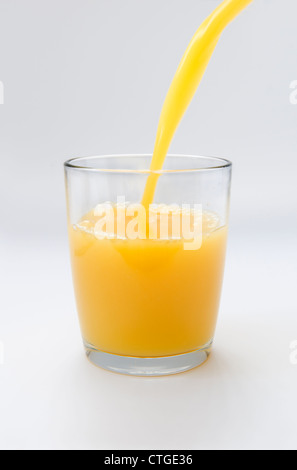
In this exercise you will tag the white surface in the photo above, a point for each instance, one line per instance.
(244, 397)
(85, 77)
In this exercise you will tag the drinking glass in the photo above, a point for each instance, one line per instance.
(147, 281)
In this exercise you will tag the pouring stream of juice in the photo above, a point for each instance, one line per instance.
(185, 83)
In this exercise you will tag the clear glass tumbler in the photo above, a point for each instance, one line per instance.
(147, 279)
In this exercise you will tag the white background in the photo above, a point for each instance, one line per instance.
(87, 77)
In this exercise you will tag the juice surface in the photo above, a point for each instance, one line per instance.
(147, 297)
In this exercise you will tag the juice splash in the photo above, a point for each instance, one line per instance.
(185, 83)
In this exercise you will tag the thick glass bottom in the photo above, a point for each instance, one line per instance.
(148, 366)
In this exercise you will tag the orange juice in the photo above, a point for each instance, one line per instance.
(147, 297)
(185, 82)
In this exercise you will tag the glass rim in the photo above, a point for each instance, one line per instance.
(76, 164)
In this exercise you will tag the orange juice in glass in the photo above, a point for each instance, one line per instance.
(148, 237)
(148, 281)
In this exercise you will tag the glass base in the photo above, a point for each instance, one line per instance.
(148, 366)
